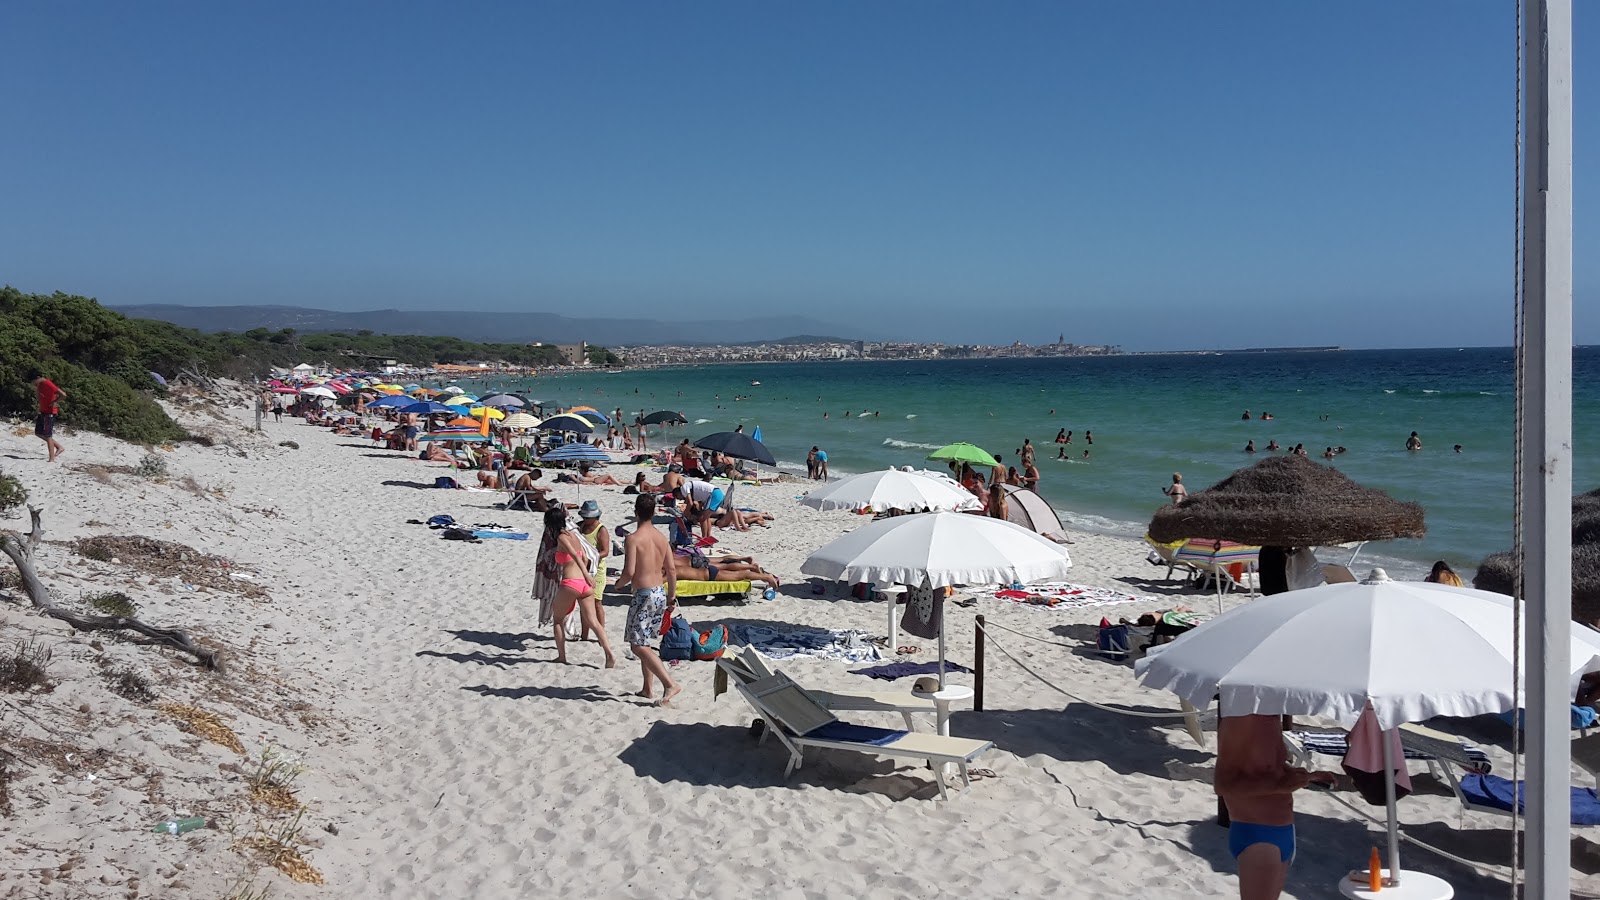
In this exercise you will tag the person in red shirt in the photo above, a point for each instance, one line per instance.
(45, 425)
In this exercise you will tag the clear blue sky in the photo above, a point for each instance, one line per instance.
(1160, 175)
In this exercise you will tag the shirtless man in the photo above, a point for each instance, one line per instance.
(647, 568)
(672, 480)
(1254, 779)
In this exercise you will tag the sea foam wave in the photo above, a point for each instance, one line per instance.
(909, 445)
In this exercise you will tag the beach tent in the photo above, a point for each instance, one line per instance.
(303, 370)
(1025, 507)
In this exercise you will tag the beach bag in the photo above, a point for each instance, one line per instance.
(679, 640)
(1113, 639)
(710, 644)
(445, 481)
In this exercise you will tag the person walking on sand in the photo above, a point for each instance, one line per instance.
(44, 427)
(277, 408)
(597, 536)
(647, 568)
(1176, 490)
(1255, 781)
(577, 588)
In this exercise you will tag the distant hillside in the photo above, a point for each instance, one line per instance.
(508, 327)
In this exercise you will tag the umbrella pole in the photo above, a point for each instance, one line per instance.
(1389, 738)
(941, 644)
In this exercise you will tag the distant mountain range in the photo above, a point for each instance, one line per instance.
(502, 327)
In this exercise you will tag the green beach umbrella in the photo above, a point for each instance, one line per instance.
(964, 452)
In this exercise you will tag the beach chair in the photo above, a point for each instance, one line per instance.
(799, 722)
(1434, 748)
(749, 666)
(1334, 573)
(1498, 796)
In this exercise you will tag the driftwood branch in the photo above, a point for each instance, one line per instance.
(20, 548)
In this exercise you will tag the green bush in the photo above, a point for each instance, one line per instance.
(105, 404)
(12, 493)
(152, 466)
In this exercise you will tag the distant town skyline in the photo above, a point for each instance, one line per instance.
(1159, 177)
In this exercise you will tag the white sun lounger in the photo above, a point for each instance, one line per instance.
(750, 666)
(799, 721)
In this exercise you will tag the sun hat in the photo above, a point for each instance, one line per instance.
(589, 510)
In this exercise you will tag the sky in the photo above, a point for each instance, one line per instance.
(1159, 175)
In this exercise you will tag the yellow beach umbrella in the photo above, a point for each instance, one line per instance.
(489, 411)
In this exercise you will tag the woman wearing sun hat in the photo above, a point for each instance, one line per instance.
(598, 537)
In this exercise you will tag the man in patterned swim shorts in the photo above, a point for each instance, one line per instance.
(647, 568)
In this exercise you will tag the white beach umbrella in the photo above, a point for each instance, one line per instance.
(520, 421)
(939, 549)
(319, 391)
(1412, 650)
(891, 489)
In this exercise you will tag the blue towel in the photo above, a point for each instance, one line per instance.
(891, 671)
(855, 734)
(1582, 717)
(508, 535)
(1494, 791)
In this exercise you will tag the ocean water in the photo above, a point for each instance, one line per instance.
(1151, 415)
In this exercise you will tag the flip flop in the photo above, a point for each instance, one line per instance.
(908, 649)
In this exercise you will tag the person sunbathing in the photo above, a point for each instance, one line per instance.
(723, 569)
(740, 519)
(437, 453)
(585, 478)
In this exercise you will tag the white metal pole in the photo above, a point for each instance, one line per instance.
(1389, 800)
(1547, 436)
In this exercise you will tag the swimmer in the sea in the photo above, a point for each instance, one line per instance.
(1250, 446)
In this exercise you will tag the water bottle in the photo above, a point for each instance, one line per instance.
(180, 826)
(770, 594)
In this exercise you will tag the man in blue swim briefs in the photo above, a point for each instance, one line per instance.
(1255, 780)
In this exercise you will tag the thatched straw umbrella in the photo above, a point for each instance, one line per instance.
(1498, 572)
(1288, 501)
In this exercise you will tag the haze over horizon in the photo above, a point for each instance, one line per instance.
(1161, 177)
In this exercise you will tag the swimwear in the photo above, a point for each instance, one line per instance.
(581, 585)
(44, 425)
(1244, 835)
(563, 557)
(645, 612)
(711, 572)
(715, 500)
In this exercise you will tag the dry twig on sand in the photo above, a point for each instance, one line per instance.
(20, 549)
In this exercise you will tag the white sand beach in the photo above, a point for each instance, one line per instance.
(444, 753)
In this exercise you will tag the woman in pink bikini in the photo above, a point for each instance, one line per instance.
(577, 585)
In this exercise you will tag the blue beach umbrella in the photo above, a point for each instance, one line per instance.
(576, 453)
(426, 408)
(595, 416)
(755, 435)
(398, 400)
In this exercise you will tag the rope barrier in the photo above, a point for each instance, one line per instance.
(1060, 690)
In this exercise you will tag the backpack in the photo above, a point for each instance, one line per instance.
(1113, 639)
(710, 644)
(679, 641)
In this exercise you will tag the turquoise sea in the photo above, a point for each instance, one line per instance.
(1151, 415)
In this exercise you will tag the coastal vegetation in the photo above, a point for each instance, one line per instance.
(105, 360)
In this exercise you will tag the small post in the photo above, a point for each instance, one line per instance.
(977, 664)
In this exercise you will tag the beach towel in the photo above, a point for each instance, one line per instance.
(507, 535)
(789, 643)
(892, 671)
(924, 612)
(1062, 595)
(1496, 793)
(1364, 760)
